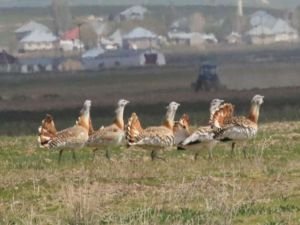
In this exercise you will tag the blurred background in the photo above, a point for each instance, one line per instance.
(55, 54)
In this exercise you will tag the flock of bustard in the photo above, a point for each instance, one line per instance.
(222, 126)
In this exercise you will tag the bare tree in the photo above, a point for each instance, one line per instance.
(62, 15)
(197, 22)
(88, 36)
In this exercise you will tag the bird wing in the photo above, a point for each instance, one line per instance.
(75, 136)
(107, 135)
(180, 133)
(202, 134)
(222, 115)
(156, 136)
(237, 128)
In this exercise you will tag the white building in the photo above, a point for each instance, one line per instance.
(39, 40)
(267, 29)
(136, 12)
(191, 39)
(29, 27)
(125, 58)
(141, 38)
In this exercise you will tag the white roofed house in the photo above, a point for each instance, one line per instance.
(267, 29)
(136, 12)
(262, 18)
(141, 38)
(116, 38)
(192, 39)
(284, 32)
(39, 40)
(260, 35)
(29, 27)
(125, 58)
(114, 41)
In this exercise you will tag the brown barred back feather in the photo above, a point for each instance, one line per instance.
(222, 115)
(133, 129)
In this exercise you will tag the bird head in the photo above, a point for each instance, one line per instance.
(258, 99)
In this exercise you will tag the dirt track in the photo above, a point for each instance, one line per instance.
(260, 75)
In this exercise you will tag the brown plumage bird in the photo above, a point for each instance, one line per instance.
(156, 137)
(203, 136)
(181, 129)
(71, 138)
(110, 135)
(241, 128)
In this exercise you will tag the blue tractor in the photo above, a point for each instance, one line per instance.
(208, 79)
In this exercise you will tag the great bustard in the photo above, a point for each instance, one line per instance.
(203, 136)
(71, 138)
(155, 137)
(114, 134)
(241, 128)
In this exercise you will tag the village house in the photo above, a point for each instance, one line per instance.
(38, 64)
(90, 58)
(38, 40)
(8, 63)
(70, 40)
(125, 58)
(267, 29)
(192, 39)
(136, 12)
(141, 38)
(29, 27)
(114, 41)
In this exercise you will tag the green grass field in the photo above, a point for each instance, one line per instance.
(262, 189)
(131, 189)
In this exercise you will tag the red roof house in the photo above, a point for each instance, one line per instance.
(71, 34)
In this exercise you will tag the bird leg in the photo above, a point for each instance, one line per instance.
(73, 155)
(232, 149)
(107, 153)
(210, 156)
(59, 155)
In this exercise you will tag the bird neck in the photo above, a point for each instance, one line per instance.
(169, 121)
(91, 128)
(119, 120)
(84, 119)
(254, 112)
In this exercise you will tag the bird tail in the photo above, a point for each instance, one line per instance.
(133, 129)
(184, 122)
(47, 131)
(222, 115)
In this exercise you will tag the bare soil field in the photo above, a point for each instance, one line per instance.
(25, 99)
